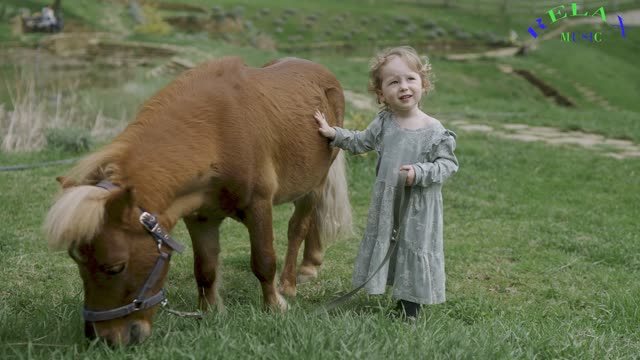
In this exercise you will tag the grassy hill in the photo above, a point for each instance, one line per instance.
(348, 30)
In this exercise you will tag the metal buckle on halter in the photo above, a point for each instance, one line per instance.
(151, 224)
(149, 221)
(137, 304)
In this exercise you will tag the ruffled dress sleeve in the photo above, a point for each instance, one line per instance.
(443, 165)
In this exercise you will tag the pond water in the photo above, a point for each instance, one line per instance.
(71, 92)
(53, 74)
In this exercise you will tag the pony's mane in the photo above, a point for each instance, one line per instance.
(77, 216)
(101, 165)
(78, 212)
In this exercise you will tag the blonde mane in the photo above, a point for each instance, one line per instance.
(78, 212)
(99, 166)
(77, 216)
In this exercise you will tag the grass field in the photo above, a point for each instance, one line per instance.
(541, 242)
(542, 258)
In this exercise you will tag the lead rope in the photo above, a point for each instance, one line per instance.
(183, 314)
(398, 214)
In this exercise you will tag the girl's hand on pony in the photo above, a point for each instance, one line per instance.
(411, 174)
(326, 130)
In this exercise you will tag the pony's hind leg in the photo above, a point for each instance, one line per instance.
(258, 219)
(313, 254)
(205, 236)
(331, 219)
(299, 226)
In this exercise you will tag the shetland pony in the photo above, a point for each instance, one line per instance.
(223, 140)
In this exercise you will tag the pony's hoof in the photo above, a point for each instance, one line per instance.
(306, 274)
(282, 305)
(287, 290)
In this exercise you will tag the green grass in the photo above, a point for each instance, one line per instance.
(542, 257)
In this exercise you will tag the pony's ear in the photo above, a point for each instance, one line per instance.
(118, 204)
(65, 182)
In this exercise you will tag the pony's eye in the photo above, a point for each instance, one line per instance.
(112, 269)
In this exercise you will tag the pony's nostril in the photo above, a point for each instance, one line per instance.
(89, 330)
(135, 333)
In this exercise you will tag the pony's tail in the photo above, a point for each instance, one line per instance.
(333, 212)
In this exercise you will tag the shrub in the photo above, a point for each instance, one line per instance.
(154, 24)
(70, 139)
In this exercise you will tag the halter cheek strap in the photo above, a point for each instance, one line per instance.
(141, 302)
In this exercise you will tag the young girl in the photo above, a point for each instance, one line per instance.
(406, 139)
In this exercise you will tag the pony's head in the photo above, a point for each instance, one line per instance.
(99, 228)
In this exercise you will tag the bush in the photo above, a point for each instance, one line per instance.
(154, 24)
(70, 139)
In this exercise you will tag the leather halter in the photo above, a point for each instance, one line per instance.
(142, 300)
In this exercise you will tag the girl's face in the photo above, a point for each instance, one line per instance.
(401, 87)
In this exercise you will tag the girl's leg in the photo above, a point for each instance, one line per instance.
(407, 309)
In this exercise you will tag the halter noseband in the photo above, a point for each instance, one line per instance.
(141, 301)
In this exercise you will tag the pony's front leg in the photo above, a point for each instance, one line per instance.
(263, 256)
(205, 237)
(298, 229)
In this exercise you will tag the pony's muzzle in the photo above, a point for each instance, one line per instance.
(138, 332)
(125, 333)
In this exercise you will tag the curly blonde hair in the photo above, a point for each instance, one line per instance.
(420, 65)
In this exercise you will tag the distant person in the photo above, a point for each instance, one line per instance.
(48, 20)
(406, 139)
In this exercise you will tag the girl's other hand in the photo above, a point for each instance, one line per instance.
(411, 175)
(326, 130)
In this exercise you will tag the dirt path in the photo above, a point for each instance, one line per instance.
(615, 148)
(499, 53)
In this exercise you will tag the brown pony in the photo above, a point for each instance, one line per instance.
(222, 140)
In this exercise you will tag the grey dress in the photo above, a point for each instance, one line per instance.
(417, 268)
